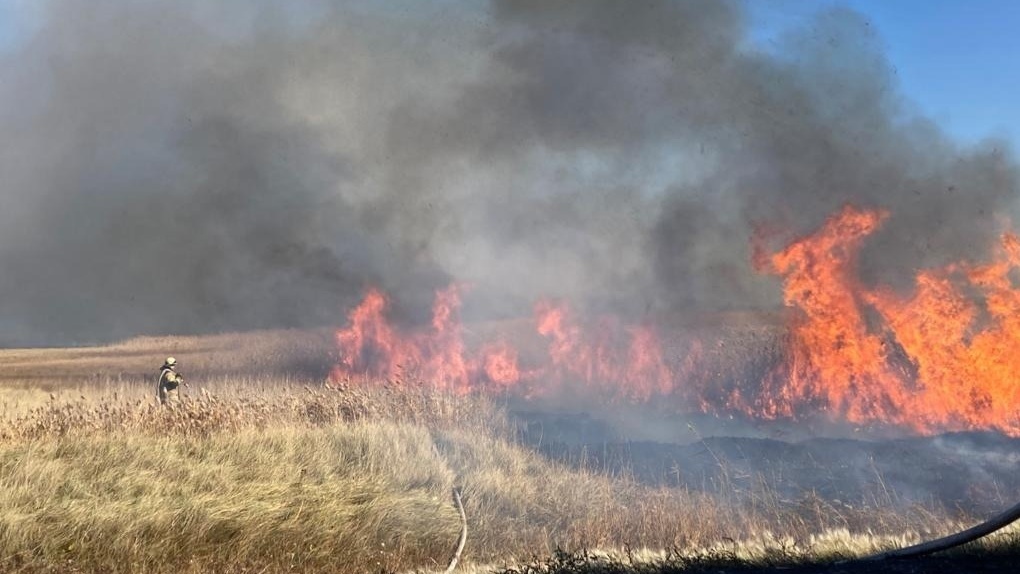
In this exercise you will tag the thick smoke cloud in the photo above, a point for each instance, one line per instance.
(171, 167)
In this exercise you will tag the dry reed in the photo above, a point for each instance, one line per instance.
(271, 476)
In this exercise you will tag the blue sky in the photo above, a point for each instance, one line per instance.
(7, 21)
(18, 19)
(959, 61)
(956, 60)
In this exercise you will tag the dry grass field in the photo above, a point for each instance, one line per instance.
(262, 468)
(282, 352)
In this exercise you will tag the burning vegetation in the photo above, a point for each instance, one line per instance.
(575, 188)
(941, 358)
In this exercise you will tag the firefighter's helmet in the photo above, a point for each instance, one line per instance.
(170, 361)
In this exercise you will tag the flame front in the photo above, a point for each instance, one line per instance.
(946, 357)
(618, 360)
(371, 347)
(835, 362)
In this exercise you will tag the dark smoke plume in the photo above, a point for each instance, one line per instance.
(172, 167)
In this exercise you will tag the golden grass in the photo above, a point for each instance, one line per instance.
(279, 499)
(308, 478)
(830, 551)
(294, 353)
(260, 472)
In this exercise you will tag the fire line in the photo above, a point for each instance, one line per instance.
(941, 359)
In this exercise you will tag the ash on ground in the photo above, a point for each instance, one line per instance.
(966, 473)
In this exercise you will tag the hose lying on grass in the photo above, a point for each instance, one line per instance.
(463, 532)
(953, 540)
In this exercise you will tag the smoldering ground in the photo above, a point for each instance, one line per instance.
(852, 468)
(181, 167)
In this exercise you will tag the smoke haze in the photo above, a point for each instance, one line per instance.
(177, 168)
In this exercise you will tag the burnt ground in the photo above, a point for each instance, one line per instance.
(974, 473)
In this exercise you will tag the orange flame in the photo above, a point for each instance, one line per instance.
(946, 357)
(836, 362)
(370, 347)
(621, 361)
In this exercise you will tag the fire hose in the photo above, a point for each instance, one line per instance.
(973, 533)
(463, 532)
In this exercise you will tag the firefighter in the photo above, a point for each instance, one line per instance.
(169, 380)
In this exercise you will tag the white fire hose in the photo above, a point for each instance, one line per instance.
(997, 522)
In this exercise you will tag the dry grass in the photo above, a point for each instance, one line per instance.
(292, 353)
(829, 552)
(308, 479)
(235, 406)
(265, 473)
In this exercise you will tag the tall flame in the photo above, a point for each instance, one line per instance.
(835, 361)
(946, 357)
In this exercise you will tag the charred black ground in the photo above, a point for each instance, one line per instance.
(967, 474)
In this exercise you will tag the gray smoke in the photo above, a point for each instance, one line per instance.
(173, 167)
